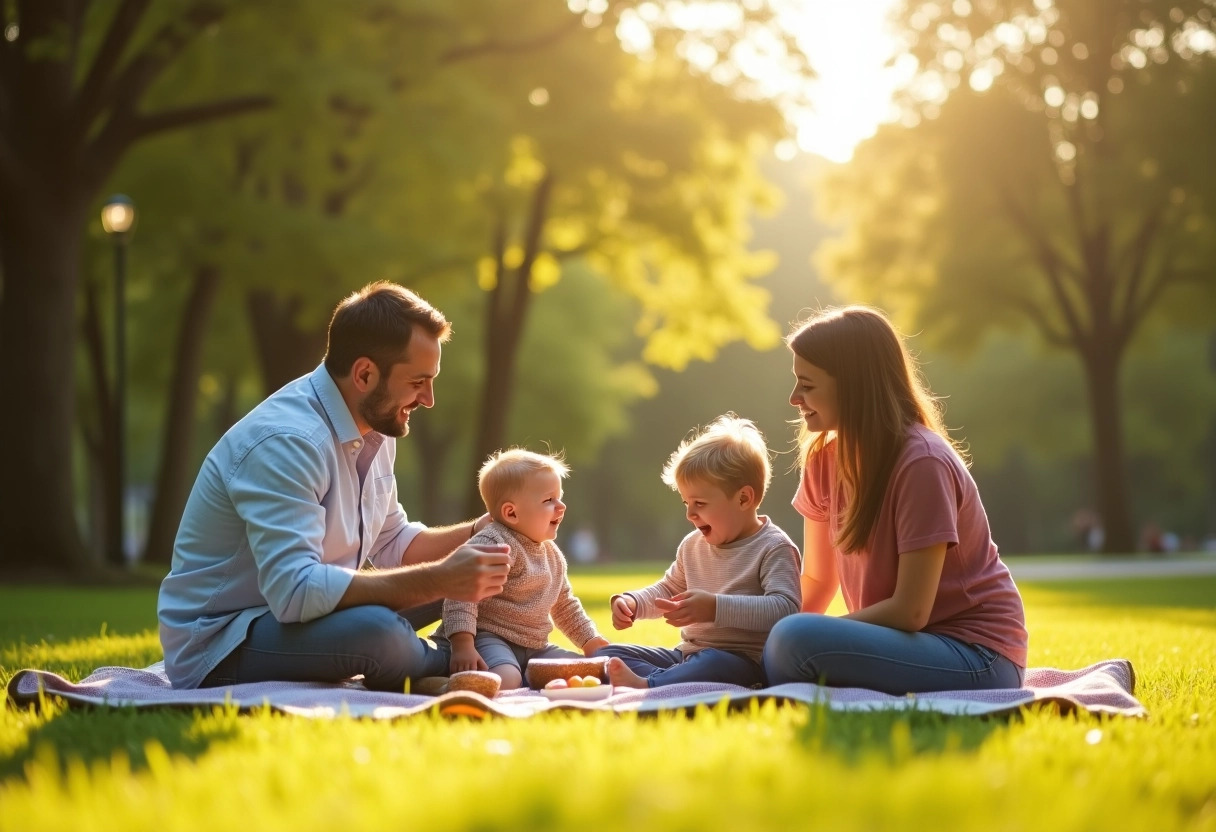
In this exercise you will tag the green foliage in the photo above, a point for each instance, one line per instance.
(1049, 175)
(578, 377)
(767, 767)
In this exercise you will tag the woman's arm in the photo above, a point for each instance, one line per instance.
(916, 581)
(820, 579)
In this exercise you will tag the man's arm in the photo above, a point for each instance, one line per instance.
(433, 543)
(470, 573)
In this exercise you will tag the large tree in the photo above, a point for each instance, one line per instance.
(74, 82)
(1052, 170)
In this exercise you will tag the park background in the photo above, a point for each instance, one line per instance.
(622, 206)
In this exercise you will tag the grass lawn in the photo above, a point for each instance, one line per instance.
(772, 768)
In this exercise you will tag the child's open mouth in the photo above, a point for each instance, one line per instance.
(704, 530)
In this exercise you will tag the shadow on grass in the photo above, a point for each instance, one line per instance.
(93, 735)
(894, 736)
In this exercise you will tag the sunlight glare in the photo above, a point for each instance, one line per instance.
(849, 45)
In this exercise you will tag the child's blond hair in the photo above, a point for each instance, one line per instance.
(729, 453)
(505, 473)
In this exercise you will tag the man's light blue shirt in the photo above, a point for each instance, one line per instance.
(279, 521)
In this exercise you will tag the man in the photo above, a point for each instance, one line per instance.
(268, 579)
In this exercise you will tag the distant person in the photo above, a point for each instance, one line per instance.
(894, 520)
(522, 492)
(1152, 539)
(294, 558)
(735, 575)
(1084, 521)
(584, 548)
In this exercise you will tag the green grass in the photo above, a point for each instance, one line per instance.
(770, 768)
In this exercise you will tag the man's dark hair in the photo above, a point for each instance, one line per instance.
(377, 322)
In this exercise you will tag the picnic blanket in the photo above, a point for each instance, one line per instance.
(1104, 688)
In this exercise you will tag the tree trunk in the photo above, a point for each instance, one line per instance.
(506, 316)
(39, 258)
(285, 351)
(225, 414)
(1101, 363)
(172, 483)
(433, 448)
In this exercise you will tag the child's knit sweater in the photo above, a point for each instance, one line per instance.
(537, 588)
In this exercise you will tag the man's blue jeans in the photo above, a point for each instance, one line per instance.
(377, 642)
(843, 653)
(665, 666)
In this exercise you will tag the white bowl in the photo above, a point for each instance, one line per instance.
(579, 694)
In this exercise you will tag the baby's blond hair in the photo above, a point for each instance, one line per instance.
(505, 473)
(729, 453)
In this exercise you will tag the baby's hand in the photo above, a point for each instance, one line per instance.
(623, 610)
(466, 660)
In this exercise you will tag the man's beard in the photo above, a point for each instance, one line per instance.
(380, 414)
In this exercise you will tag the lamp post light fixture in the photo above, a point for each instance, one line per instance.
(118, 219)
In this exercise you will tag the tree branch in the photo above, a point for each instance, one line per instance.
(493, 46)
(1051, 332)
(124, 129)
(91, 95)
(1138, 252)
(199, 113)
(1072, 195)
(1050, 262)
(165, 46)
(1165, 276)
(532, 239)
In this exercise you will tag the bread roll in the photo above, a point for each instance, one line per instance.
(477, 681)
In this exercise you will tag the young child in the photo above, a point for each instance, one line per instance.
(734, 576)
(522, 492)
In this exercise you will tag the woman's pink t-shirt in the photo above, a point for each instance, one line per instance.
(931, 499)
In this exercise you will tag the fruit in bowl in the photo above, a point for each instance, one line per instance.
(572, 682)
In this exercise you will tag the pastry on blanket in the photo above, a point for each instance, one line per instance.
(477, 681)
(542, 671)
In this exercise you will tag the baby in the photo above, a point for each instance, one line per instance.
(734, 576)
(522, 492)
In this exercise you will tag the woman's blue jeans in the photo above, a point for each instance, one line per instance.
(843, 653)
(377, 642)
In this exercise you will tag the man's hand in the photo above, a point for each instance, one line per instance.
(695, 606)
(624, 609)
(464, 654)
(473, 572)
(594, 644)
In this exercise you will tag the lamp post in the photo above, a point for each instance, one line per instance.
(118, 219)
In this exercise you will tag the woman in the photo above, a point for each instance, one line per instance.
(893, 519)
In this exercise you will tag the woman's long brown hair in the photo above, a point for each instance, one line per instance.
(880, 392)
